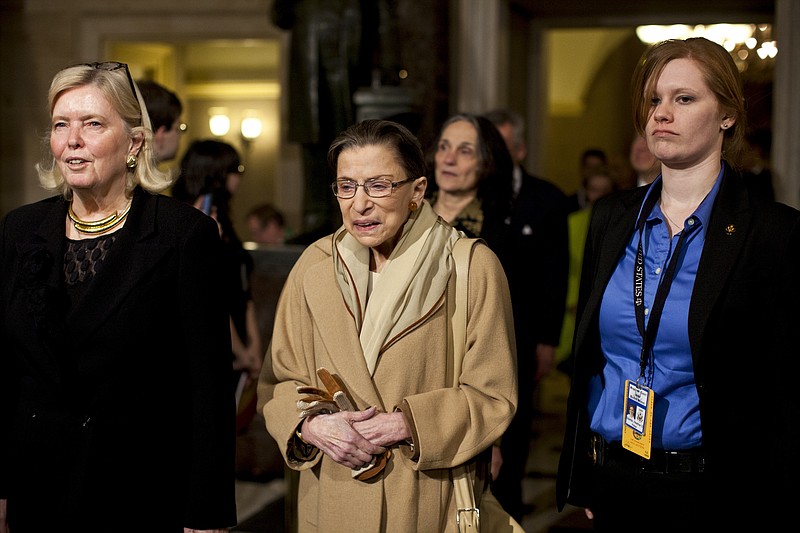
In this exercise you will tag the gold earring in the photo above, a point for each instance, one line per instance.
(413, 206)
(131, 161)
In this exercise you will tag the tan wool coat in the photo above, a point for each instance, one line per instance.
(450, 426)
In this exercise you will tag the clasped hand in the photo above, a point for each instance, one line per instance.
(351, 438)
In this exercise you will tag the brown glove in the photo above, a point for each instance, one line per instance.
(306, 389)
(335, 399)
(336, 389)
(316, 405)
(316, 402)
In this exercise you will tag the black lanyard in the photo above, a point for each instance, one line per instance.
(649, 334)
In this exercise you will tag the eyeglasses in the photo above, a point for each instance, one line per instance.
(112, 66)
(375, 188)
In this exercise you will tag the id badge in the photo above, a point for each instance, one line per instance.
(637, 419)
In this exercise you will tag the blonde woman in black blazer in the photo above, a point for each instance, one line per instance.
(116, 412)
(725, 449)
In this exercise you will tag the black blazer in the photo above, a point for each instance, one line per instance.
(541, 266)
(530, 237)
(116, 412)
(743, 322)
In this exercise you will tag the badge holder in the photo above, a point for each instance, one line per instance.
(637, 426)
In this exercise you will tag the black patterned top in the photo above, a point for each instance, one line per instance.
(84, 257)
(469, 220)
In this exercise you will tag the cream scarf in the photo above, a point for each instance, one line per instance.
(412, 281)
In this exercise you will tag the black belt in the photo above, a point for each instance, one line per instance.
(690, 461)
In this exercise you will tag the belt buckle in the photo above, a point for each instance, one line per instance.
(597, 450)
(680, 463)
(476, 519)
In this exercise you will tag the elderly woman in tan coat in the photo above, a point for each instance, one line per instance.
(369, 304)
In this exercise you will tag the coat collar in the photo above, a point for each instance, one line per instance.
(338, 330)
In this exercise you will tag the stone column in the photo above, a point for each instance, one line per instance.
(785, 108)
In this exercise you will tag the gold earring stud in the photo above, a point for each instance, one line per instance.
(413, 206)
(131, 161)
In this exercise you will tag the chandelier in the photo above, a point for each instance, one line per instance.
(750, 45)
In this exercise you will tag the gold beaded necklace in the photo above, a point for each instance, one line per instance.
(98, 226)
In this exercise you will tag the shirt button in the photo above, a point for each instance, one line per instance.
(690, 222)
(647, 311)
(658, 270)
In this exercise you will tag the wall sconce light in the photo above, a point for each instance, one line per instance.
(251, 126)
(219, 122)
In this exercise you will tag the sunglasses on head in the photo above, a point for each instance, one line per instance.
(112, 66)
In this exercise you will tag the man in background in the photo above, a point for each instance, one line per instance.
(539, 226)
(593, 161)
(266, 224)
(164, 108)
(644, 164)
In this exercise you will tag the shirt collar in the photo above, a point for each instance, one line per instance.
(703, 211)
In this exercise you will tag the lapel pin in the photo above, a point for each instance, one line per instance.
(730, 229)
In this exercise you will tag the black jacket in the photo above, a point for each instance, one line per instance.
(541, 266)
(743, 321)
(116, 412)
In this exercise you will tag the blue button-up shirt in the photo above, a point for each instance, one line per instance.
(676, 420)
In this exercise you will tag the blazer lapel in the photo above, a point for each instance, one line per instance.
(107, 286)
(729, 225)
(337, 331)
(46, 295)
(610, 246)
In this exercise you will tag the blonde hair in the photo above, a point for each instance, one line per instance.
(116, 84)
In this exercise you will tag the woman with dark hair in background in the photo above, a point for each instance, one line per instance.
(474, 173)
(473, 192)
(210, 171)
